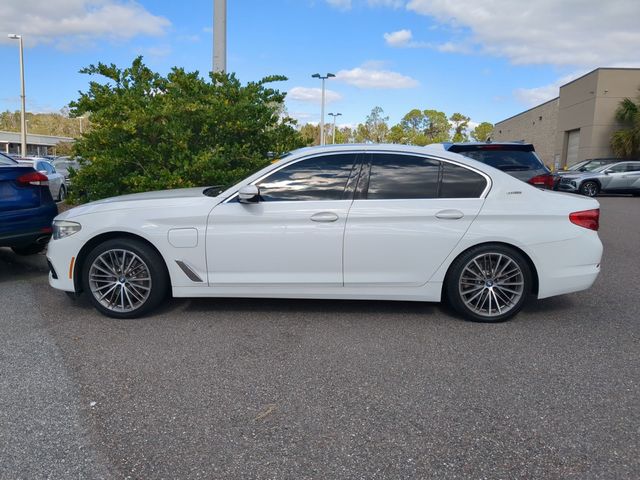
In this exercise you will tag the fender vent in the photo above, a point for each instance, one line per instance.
(193, 276)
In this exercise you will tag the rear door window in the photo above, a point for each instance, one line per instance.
(396, 176)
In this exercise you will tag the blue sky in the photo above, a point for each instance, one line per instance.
(487, 59)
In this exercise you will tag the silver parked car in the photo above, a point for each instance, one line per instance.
(63, 166)
(621, 177)
(57, 184)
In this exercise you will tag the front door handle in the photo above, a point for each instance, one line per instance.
(324, 217)
(450, 214)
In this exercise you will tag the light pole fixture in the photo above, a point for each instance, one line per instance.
(23, 113)
(334, 115)
(323, 78)
(220, 36)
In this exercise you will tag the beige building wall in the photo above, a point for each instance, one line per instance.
(587, 105)
(537, 126)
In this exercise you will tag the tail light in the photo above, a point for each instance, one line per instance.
(586, 218)
(33, 178)
(545, 180)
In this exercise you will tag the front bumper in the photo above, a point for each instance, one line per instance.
(62, 256)
(567, 185)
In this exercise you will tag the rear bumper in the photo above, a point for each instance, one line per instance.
(567, 266)
(23, 227)
(23, 239)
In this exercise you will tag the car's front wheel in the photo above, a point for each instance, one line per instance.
(125, 278)
(489, 283)
(589, 188)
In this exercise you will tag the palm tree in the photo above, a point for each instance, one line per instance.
(626, 142)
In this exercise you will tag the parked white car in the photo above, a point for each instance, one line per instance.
(384, 222)
(57, 184)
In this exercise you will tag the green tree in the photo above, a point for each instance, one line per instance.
(154, 132)
(482, 132)
(421, 127)
(460, 125)
(625, 143)
(374, 129)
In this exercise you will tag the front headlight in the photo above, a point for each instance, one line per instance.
(64, 228)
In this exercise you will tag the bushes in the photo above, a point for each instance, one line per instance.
(151, 132)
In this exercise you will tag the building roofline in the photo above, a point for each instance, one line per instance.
(595, 70)
(564, 85)
(528, 110)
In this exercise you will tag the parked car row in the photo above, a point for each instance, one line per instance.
(601, 176)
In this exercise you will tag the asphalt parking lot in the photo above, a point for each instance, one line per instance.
(324, 389)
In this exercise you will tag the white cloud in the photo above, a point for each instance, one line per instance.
(401, 38)
(312, 95)
(581, 33)
(65, 22)
(340, 4)
(368, 77)
(535, 96)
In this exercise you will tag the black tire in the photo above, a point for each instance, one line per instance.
(590, 188)
(62, 193)
(460, 291)
(150, 261)
(30, 249)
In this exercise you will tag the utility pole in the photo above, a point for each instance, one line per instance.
(323, 78)
(220, 36)
(23, 113)
(334, 115)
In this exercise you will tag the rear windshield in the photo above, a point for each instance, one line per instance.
(507, 160)
(4, 160)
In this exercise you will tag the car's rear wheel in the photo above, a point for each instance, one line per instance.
(589, 188)
(62, 193)
(125, 278)
(489, 283)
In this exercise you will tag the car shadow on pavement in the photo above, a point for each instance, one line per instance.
(15, 267)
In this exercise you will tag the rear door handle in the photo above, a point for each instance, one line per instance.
(324, 217)
(450, 214)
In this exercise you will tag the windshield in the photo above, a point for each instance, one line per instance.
(589, 165)
(506, 160)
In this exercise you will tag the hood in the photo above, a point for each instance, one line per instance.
(156, 195)
(178, 196)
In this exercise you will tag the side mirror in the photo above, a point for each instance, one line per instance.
(249, 194)
(607, 172)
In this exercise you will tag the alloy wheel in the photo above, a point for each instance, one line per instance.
(120, 280)
(491, 284)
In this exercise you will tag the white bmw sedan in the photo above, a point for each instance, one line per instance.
(383, 222)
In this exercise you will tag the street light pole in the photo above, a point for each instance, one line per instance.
(334, 115)
(323, 78)
(23, 113)
(220, 36)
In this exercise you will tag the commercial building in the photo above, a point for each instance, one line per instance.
(577, 124)
(37, 145)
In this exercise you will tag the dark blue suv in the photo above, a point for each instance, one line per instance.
(26, 208)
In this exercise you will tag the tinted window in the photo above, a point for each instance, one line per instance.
(506, 160)
(319, 178)
(621, 167)
(460, 182)
(634, 167)
(402, 176)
